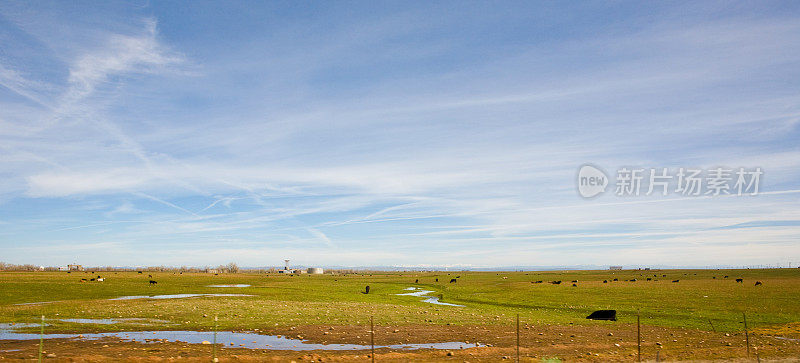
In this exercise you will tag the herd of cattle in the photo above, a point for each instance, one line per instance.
(454, 280)
(101, 279)
(575, 282)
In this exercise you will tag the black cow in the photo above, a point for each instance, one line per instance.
(758, 283)
(574, 281)
(676, 280)
(725, 277)
(649, 279)
(605, 281)
(574, 285)
(437, 279)
(453, 280)
(616, 279)
(153, 282)
(556, 282)
(603, 315)
(140, 272)
(740, 280)
(416, 281)
(366, 291)
(633, 280)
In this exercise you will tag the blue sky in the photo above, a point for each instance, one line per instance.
(393, 133)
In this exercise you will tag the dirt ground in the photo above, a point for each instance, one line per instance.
(568, 343)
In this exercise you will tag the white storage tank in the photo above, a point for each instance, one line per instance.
(315, 270)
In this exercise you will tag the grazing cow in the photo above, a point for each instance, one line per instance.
(758, 283)
(633, 280)
(605, 281)
(556, 282)
(649, 279)
(725, 277)
(153, 282)
(416, 281)
(92, 279)
(453, 280)
(574, 280)
(140, 272)
(663, 275)
(574, 285)
(458, 277)
(83, 280)
(676, 280)
(616, 279)
(437, 279)
(740, 280)
(101, 279)
(150, 276)
(505, 278)
(536, 282)
(603, 315)
(366, 290)
(714, 277)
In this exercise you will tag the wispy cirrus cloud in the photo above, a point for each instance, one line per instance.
(406, 138)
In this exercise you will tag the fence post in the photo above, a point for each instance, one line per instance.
(214, 346)
(41, 339)
(638, 338)
(372, 337)
(712, 325)
(746, 335)
(517, 338)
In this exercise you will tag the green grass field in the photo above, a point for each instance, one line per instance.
(489, 299)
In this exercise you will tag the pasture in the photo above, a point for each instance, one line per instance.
(704, 309)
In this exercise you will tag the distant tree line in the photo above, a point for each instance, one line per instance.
(229, 268)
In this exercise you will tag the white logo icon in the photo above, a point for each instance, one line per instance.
(591, 181)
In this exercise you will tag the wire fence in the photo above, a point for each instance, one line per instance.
(519, 343)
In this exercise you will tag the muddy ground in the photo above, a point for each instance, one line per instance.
(568, 343)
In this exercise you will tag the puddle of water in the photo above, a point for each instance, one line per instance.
(416, 293)
(9, 326)
(174, 296)
(105, 321)
(90, 321)
(233, 285)
(429, 300)
(789, 339)
(239, 340)
(435, 300)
